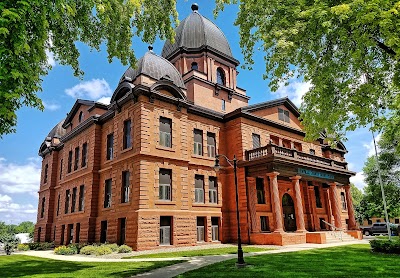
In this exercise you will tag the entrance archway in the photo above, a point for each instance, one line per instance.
(289, 216)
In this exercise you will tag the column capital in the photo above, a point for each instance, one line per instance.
(297, 177)
(272, 174)
(346, 186)
(332, 184)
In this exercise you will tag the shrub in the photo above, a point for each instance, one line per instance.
(385, 246)
(23, 247)
(41, 245)
(88, 250)
(65, 250)
(79, 246)
(112, 246)
(124, 249)
(10, 242)
(102, 250)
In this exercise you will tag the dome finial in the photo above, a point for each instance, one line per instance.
(150, 47)
(195, 7)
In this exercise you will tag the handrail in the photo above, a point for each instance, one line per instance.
(335, 228)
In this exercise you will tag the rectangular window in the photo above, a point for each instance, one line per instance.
(165, 132)
(127, 143)
(74, 191)
(200, 229)
(343, 199)
(107, 193)
(39, 234)
(312, 152)
(76, 158)
(77, 232)
(317, 197)
(122, 230)
(110, 146)
(283, 115)
(61, 168)
(165, 230)
(70, 233)
(260, 191)
(198, 142)
(84, 154)
(67, 201)
(81, 197)
(211, 144)
(165, 184)
(43, 205)
(199, 189)
(256, 141)
(213, 190)
(58, 204)
(46, 169)
(54, 233)
(223, 105)
(125, 187)
(322, 223)
(69, 162)
(103, 232)
(62, 235)
(264, 223)
(215, 228)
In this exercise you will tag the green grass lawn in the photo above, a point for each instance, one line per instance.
(346, 261)
(27, 266)
(203, 252)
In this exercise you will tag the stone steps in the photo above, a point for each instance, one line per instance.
(332, 237)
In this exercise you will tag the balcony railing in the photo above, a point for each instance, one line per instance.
(275, 150)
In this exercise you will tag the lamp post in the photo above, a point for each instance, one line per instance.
(233, 163)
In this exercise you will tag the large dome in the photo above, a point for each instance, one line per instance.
(155, 67)
(196, 32)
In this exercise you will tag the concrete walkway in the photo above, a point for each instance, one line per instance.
(191, 263)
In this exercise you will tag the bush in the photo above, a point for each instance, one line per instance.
(23, 247)
(124, 249)
(88, 250)
(41, 245)
(102, 250)
(113, 246)
(65, 250)
(385, 246)
(79, 246)
(10, 242)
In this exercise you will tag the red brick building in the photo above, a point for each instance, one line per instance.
(140, 170)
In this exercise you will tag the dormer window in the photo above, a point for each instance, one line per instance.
(80, 117)
(220, 76)
(195, 66)
(283, 115)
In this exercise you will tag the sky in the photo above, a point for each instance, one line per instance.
(20, 165)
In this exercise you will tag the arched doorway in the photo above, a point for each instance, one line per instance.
(289, 216)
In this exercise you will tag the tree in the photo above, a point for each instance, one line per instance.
(357, 197)
(25, 227)
(30, 28)
(348, 50)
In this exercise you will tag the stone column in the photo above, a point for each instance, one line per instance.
(328, 205)
(335, 205)
(299, 205)
(350, 208)
(313, 207)
(276, 202)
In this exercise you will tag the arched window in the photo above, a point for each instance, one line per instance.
(195, 66)
(220, 76)
(81, 116)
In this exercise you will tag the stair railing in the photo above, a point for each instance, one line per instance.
(334, 228)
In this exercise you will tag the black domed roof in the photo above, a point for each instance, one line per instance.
(58, 131)
(156, 67)
(195, 32)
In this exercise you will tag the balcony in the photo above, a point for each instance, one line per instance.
(272, 150)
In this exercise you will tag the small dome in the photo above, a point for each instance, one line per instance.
(156, 67)
(195, 32)
(58, 131)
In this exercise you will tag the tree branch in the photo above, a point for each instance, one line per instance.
(384, 47)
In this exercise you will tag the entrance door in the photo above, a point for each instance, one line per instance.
(289, 216)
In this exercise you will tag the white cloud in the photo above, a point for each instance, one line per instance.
(50, 58)
(52, 106)
(294, 90)
(105, 100)
(20, 178)
(92, 89)
(14, 212)
(370, 146)
(5, 199)
(358, 180)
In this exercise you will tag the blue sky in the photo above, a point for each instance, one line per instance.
(19, 163)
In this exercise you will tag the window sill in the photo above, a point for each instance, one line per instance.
(125, 204)
(126, 150)
(169, 149)
(166, 202)
(203, 157)
(210, 205)
(105, 209)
